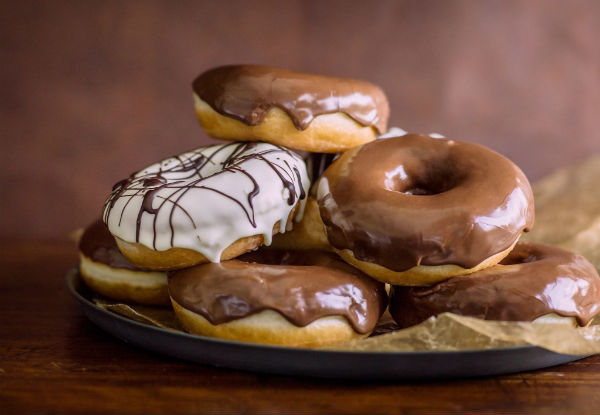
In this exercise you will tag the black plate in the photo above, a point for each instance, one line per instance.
(317, 363)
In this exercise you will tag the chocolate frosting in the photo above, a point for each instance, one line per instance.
(534, 280)
(98, 244)
(247, 93)
(302, 286)
(415, 200)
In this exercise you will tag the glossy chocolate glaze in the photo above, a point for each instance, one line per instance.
(415, 200)
(98, 244)
(302, 286)
(247, 92)
(534, 280)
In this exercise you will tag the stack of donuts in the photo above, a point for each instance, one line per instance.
(288, 232)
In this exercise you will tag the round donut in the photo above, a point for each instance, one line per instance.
(415, 210)
(533, 281)
(106, 271)
(302, 111)
(291, 298)
(210, 204)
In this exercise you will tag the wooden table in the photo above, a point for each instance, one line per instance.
(54, 360)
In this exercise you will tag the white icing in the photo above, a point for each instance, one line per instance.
(189, 212)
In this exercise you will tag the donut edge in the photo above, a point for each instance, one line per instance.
(178, 258)
(421, 274)
(327, 133)
(270, 327)
(142, 287)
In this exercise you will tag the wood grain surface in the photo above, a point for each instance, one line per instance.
(94, 90)
(53, 360)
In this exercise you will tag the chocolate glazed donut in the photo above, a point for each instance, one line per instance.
(247, 93)
(532, 281)
(106, 271)
(310, 297)
(413, 201)
(316, 113)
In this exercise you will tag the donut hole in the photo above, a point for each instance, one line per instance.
(430, 179)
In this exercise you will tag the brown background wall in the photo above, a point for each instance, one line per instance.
(92, 91)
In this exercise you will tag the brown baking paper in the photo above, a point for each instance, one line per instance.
(162, 317)
(453, 332)
(567, 210)
(567, 215)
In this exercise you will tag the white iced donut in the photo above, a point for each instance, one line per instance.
(206, 205)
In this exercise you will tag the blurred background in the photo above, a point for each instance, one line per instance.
(94, 90)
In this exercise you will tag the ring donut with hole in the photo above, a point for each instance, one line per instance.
(415, 210)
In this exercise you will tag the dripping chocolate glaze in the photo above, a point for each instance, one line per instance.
(302, 286)
(247, 93)
(415, 200)
(534, 280)
(98, 244)
(148, 184)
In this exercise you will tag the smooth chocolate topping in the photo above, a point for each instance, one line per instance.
(98, 244)
(415, 200)
(302, 286)
(247, 93)
(534, 280)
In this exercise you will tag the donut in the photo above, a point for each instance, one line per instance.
(291, 298)
(107, 272)
(415, 210)
(533, 281)
(210, 204)
(302, 111)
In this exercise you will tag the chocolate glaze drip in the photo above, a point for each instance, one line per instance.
(534, 280)
(302, 286)
(148, 184)
(415, 200)
(247, 93)
(98, 244)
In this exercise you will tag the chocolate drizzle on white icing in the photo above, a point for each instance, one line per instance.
(163, 186)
